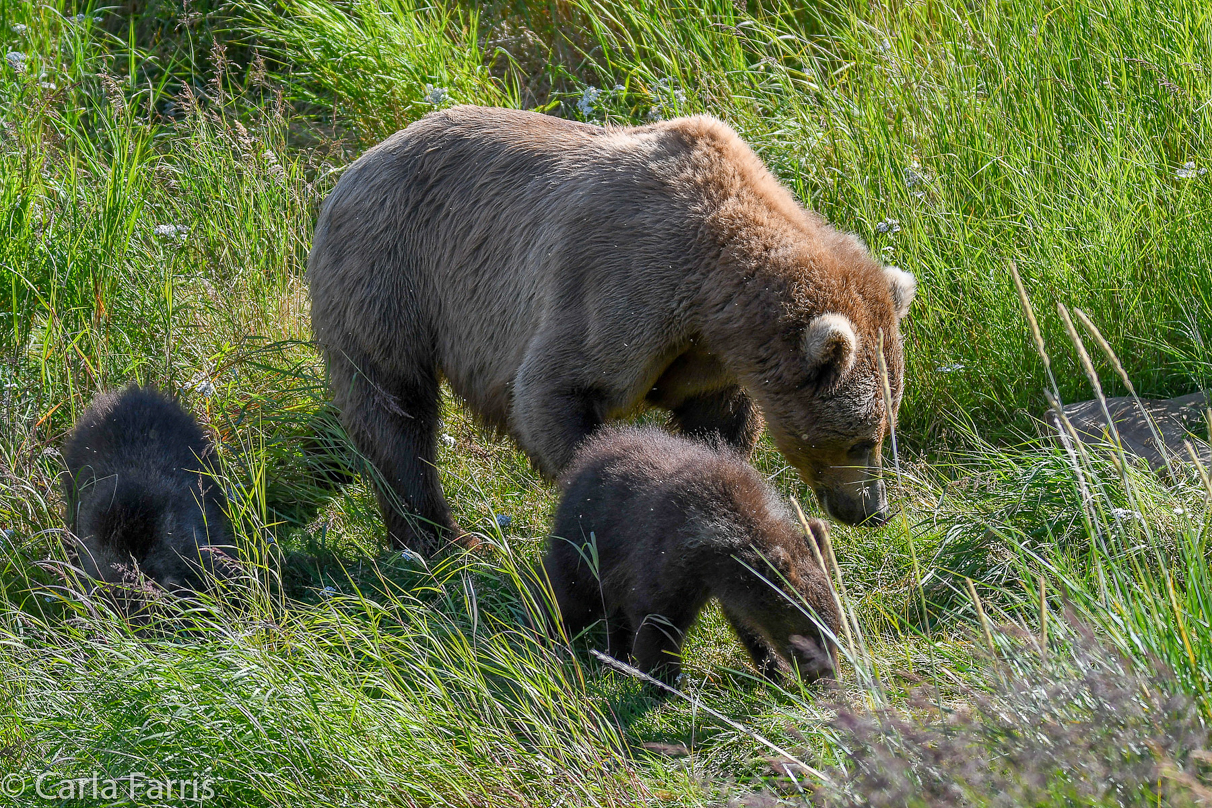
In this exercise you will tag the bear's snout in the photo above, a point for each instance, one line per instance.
(868, 506)
(811, 659)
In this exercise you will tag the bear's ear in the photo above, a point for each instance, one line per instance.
(903, 287)
(780, 559)
(830, 340)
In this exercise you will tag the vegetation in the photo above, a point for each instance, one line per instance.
(161, 166)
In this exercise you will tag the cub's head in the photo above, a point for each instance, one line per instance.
(128, 530)
(802, 628)
(821, 391)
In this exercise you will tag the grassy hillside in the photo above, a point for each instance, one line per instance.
(161, 166)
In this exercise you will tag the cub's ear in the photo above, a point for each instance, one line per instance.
(779, 558)
(830, 340)
(819, 530)
(903, 287)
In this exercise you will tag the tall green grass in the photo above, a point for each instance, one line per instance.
(154, 223)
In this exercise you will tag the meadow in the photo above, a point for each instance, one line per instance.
(1034, 626)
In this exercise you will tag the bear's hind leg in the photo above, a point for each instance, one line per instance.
(573, 592)
(619, 637)
(395, 427)
(728, 413)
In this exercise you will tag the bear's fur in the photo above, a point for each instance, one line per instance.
(652, 525)
(558, 274)
(141, 497)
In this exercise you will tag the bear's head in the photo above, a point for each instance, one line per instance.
(820, 389)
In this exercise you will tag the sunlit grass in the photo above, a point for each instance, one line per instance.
(154, 225)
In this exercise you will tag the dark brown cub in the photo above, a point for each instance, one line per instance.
(140, 493)
(652, 525)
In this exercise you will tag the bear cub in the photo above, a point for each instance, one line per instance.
(652, 525)
(140, 493)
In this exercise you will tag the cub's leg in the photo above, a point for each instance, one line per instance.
(573, 588)
(729, 413)
(657, 648)
(765, 659)
(393, 422)
(620, 637)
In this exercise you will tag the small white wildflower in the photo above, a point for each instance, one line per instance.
(201, 384)
(436, 96)
(410, 556)
(618, 88)
(589, 97)
(1188, 171)
(891, 226)
(16, 60)
(48, 85)
(679, 95)
(654, 114)
(51, 451)
(954, 368)
(889, 250)
(79, 18)
(19, 28)
(1179, 511)
(328, 591)
(48, 599)
(504, 520)
(448, 439)
(1123, 514)
(914, 175)
(177, 232)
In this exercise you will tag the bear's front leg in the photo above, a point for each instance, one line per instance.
(728, 414)
(764, 658)
(551, 414)
(657, 648)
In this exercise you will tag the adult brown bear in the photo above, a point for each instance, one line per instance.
(558, 274)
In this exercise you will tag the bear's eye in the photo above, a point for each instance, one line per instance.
(862, 448)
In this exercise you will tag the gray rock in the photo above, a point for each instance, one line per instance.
(1177, 420)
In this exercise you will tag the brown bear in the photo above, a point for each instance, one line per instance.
(558, 274)
(652, 525)
(141, 495)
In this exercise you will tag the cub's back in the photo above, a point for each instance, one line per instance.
(643, 486)
(139, 431)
